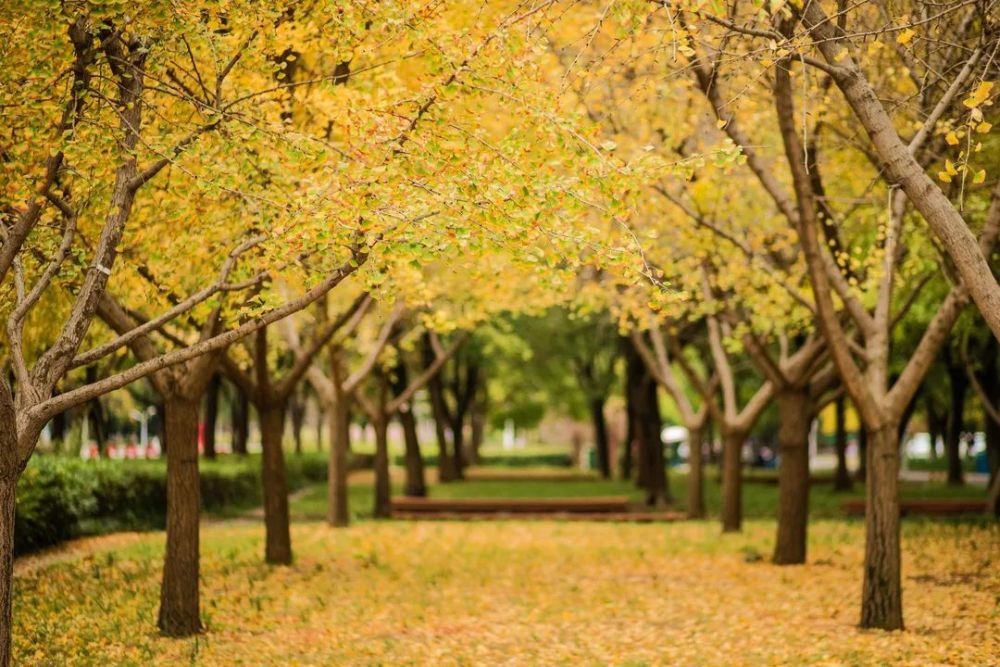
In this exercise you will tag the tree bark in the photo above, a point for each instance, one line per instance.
(416, 484)
(8, 487)
(862, 472)
(179, 601)
(383, 490)
(446, 466)
(278, 540)
(240, 412)
(338, 512)
(652, 468)
(600, 437)
(795, 418)
(696, 475)
(297, 416)
(211, 415)
(732, 469)
(882, 597)
(842, 476)
(959, 384)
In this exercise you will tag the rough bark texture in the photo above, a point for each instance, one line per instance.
(794, 417)
(600, 437)
(278, 540)
(652, 467)
(882, 596)
(179, 601)
(8, 486)
(732, 468)
(416, 484)
(842, 476)
(211, 415)
(382, 509)
(696, 476)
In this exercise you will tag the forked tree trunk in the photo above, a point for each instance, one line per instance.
(211, 415)
(795, 417)
(882, 599)
(416, 484)
(278, 540)
(842, 476)
(179, 602)
(732, 469)
(696, 475)
(383, 490)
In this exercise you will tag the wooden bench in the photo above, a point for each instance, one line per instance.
(403, 505)
(924, 507)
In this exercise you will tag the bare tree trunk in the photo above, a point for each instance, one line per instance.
(383, 490)
(338, 513)
(297, 415)
(652, 468)
(458, 444)
(211, 414)
(993, 497)
(416, 484)
(600, 437)
(478, 423)
(882, 597)
(696, 475)
(278, 540)
(446, 466)
(842, 477)
(320, 421)
(732, 469)
(795, 418)
(240, 412)
(959, 385)
(8, 489)
(179, 601)
(862, 472)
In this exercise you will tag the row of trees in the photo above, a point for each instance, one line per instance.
(326, 191)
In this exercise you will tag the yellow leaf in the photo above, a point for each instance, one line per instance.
(980, 176)
(979, 95)
(951, 138)
(950, 168)
(983, 127)
(905, 36)
(944, 176)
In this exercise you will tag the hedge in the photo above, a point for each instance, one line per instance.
(59, 498)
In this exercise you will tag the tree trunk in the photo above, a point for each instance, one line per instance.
(446, 466)
(795, 418)
(458, 443)
(882, 599)
(338, 514)
(179, 603)
(478, 424)
(278, 540)
(732, 469)
(959, 385)
(383, 490)
(696, 475)
(240, 411)
(211, 414)
(842, 476)
(416, 484)
(8, 488)
(297, 415)
(600, 437)
(320, 421)
(862, 472)
(993, 497)
(652, 468)
(990, 383)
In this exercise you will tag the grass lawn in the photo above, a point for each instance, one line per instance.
(515, 593)
(759, 499)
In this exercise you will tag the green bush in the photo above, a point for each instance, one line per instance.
(60, 498)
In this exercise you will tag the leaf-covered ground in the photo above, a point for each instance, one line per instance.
(517, 593)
